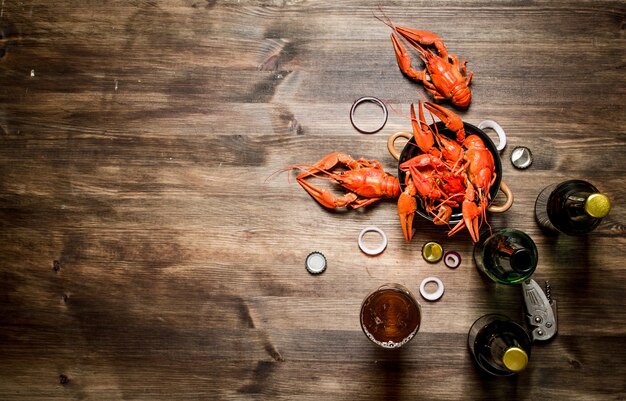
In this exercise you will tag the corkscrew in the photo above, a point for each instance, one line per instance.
(541, 310)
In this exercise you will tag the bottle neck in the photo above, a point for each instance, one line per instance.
(520, 258)
(508, 353)
(577, 201)
(574, 206)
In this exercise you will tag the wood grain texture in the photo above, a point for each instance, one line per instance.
(148, 253)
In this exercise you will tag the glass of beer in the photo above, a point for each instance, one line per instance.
(390, 316)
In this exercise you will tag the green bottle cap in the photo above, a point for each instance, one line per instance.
(432, 252)
(597, 205)
(515, 359)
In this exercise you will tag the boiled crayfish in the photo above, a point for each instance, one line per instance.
(447, 174)
(445, 77)
(365, 180)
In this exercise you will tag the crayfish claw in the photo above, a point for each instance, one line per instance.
(472, 212)
(404, 60)
(424, 137)
(407, 205)
(452, 121)
(417, 37)
(471, 215)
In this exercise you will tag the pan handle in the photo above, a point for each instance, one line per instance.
(507, 204)
(391, 143)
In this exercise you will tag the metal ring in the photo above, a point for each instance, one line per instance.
(373, 100)
(496, 127)
(371, 251)
(431, 296)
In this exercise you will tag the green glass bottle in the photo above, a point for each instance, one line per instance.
(573, 207)
(499, 346)
(508, 256)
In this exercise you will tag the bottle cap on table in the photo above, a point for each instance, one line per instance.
(521, 157)
(432, 252)
(597, 205)
(315, 262)
(515, 359)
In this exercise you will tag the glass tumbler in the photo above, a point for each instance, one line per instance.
(390, 316)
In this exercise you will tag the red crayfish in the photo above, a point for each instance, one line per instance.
(365, 180)
(446, 176)
(445, 77)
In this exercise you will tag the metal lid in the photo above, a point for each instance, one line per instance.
(521, 157)
(515, 359)
(432, 252)
(315, 262)
(597, 205)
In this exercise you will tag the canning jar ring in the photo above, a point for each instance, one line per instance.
(435, 295)
(373, 100)
(378, 249)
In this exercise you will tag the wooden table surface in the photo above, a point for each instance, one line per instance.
(147, 254)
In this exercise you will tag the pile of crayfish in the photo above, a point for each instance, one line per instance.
(447, 174)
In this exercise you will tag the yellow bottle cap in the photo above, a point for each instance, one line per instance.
(515, 359)
(597, 205)
(432, 252)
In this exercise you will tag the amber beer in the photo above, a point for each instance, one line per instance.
(390, 316)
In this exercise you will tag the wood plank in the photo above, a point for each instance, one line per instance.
(152, 249)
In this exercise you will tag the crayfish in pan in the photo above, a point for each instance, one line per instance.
(447, 174)
(445, 77)
(365, 181)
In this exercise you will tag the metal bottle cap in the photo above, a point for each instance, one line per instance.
(597, 205)
(521, 157)
(515, 359)
(432, 252)
(315, 262)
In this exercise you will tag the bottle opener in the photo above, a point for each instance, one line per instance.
(540, 310)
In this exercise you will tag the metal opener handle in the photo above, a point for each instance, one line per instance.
(541, 311)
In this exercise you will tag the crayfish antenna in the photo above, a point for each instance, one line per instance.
(278, 171)
(485, 201)
(423, 52)
(388, 21)
(396, 110)
(321, 173)
(287, 168)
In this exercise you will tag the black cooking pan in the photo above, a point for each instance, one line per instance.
(411, 150)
